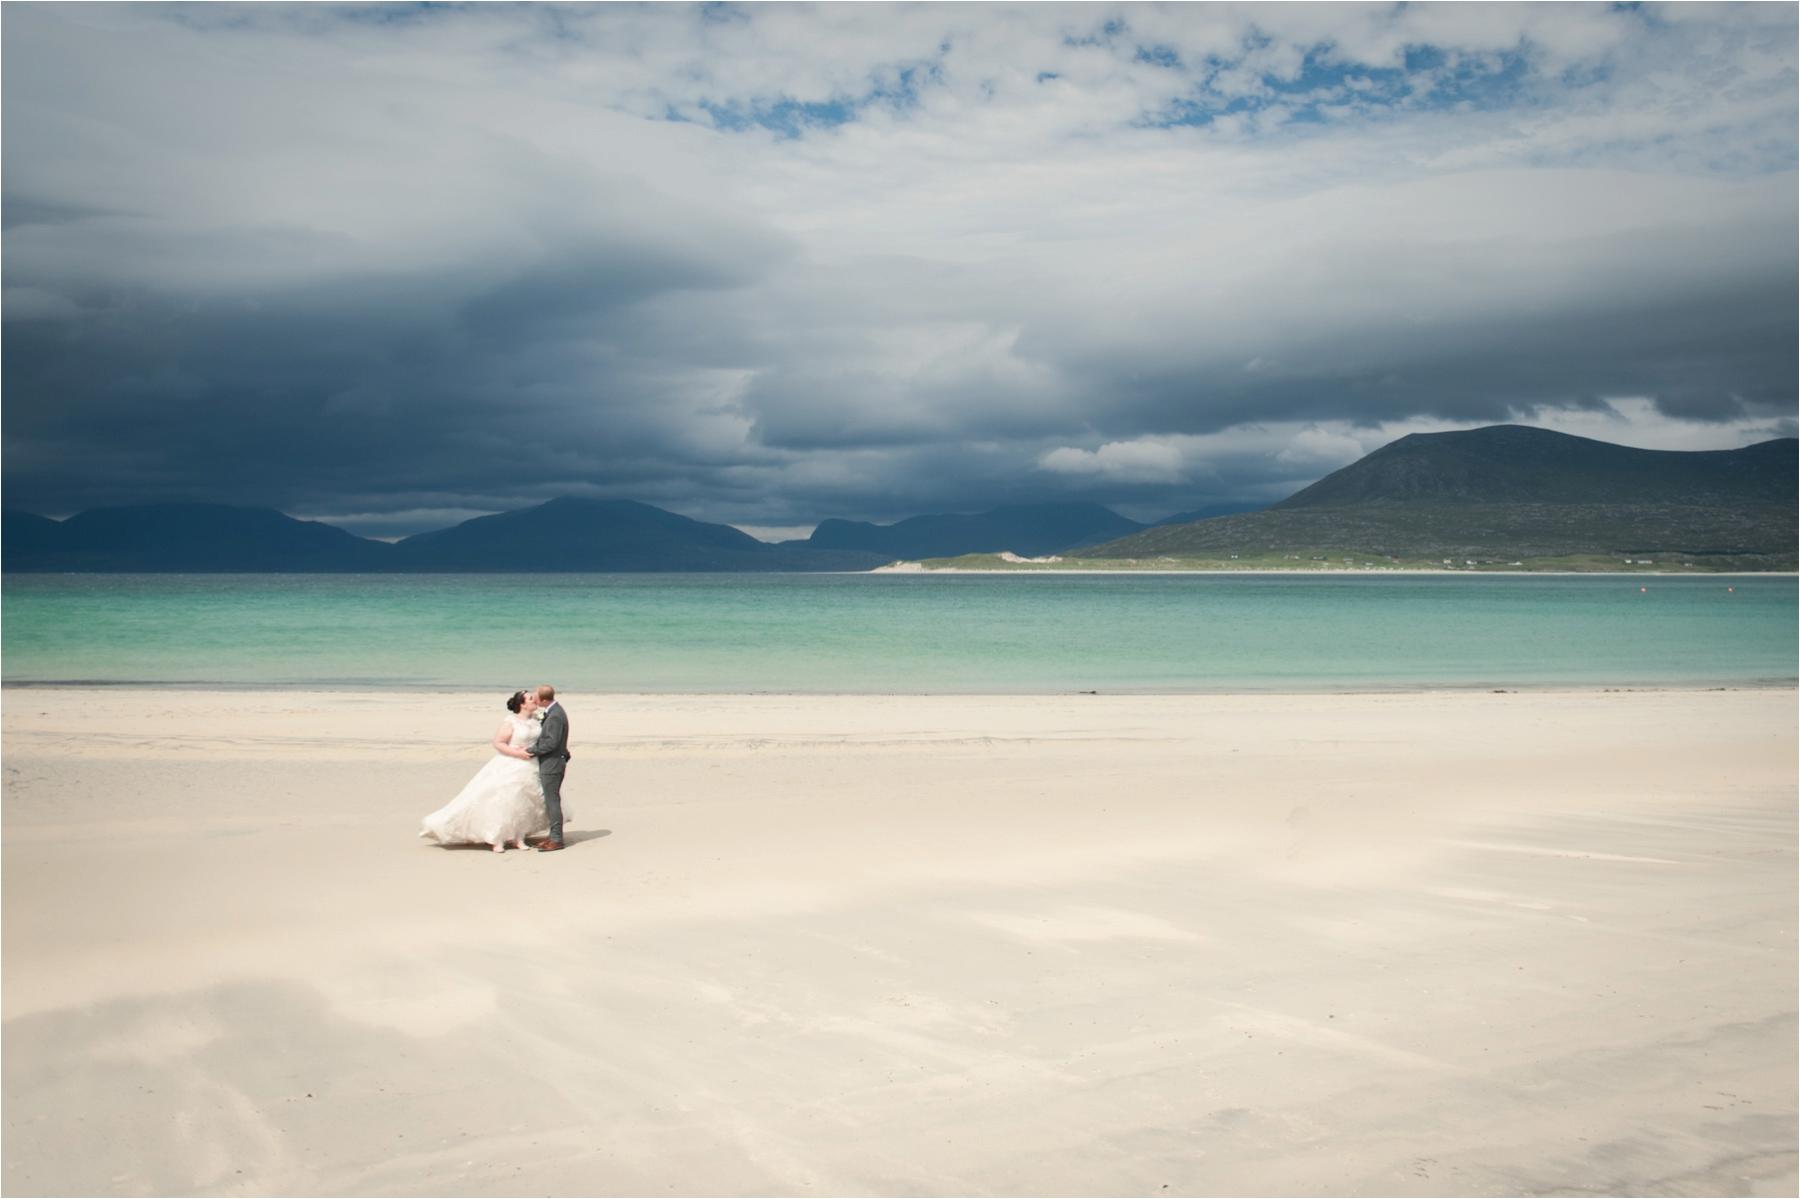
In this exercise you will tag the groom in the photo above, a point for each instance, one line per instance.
(551, 750)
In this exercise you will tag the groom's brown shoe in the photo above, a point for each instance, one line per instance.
(547, 846)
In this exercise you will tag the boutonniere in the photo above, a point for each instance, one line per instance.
(539, 714)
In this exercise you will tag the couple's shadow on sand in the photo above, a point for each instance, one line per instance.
(571, 838)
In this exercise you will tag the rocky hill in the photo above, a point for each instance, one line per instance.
(1514, 493)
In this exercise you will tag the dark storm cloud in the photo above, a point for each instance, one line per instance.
(1702, 356)
(398, 271)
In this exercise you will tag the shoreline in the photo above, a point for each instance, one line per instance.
(889, 570)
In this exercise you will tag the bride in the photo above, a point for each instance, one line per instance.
(504, 802)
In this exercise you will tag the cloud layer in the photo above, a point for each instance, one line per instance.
(394, 265)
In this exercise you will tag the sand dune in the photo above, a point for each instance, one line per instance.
(1435, 943)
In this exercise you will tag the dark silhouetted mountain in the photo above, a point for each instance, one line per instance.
(606, 535)
(1515, 493)
(1505, 464)
(26, 535)
(1029, 529)
(185, 537)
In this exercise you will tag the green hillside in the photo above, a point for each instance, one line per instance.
(1736, 538)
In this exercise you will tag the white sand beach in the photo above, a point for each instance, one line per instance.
(1420, 944)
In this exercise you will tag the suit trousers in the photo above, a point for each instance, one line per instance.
(551, 776)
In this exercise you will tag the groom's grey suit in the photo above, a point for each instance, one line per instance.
(551, 750)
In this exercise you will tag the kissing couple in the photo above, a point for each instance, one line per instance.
(518, 794)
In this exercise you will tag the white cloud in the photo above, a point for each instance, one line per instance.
(1313, 448)
(1143, 461)
(1635, 421)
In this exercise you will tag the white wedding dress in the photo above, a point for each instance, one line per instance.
(503, 802)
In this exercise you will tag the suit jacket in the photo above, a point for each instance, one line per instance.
(551, 749)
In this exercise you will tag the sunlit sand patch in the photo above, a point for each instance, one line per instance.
(417, 1011)
(1475, 896)
(157, 1039)
(913, 1009)
(1595, 855)
(1321, 1036)
(1084, 924)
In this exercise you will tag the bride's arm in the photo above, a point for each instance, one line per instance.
(503, 742)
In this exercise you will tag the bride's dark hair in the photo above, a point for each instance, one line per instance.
(515, 701)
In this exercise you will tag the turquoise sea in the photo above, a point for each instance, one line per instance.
(898, 633)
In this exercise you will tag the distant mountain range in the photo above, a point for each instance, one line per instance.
(562, 535)
(1513, 492)
(1501, 492)
(566, 534)
(601, 535)
(183, 537)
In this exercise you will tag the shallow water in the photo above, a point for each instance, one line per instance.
(899, 633)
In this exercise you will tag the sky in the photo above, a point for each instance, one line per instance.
(396, 266)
